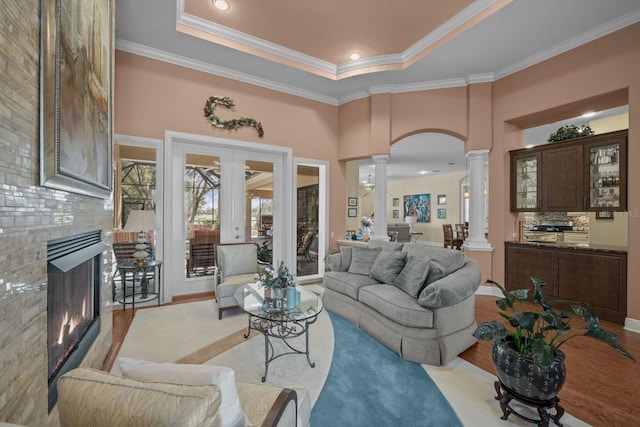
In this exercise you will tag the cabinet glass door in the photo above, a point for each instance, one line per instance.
(604, 176)
(527, 183)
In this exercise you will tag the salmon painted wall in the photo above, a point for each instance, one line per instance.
(354, 125)
(591, 76)
(153, 96)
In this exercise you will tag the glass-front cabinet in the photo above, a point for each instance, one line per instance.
(525, 179)
(607, 175)
(588, 173)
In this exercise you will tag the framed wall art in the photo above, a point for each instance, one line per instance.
(76, 96)
(352, 201)
(418, 206)
(396, 214)
(442, 199)
(352, 212)
(442, 213)
(396, 202)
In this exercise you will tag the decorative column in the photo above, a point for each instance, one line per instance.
(477, 201)
(380, 197)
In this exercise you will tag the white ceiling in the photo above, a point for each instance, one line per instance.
(482, 42)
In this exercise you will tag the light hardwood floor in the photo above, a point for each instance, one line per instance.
(602, 386)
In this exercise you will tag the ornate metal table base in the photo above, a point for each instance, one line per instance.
(505, 396)
(283, 327)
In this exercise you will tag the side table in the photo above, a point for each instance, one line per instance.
(140, 289)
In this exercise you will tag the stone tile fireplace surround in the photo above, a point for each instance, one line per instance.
(30, 216)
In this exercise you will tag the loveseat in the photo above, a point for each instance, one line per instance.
(417, 300)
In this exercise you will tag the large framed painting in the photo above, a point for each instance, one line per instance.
(418, 206)
(76, 96)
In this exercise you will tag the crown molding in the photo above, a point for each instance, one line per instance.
(572, 43)
(182, 61)
(265, 49)
(473, 10)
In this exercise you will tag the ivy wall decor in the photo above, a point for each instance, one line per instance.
(216, 121)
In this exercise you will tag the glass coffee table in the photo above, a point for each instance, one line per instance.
(273, 319)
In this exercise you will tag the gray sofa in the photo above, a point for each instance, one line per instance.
(417, 300)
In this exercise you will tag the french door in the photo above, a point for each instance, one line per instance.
(222, 191)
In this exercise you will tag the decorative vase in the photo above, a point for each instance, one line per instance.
(522, 377)
(366, 231)
(277, 296)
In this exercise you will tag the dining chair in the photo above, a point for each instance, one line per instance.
(449, 239)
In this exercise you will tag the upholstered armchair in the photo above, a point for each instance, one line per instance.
(237, 265)
(174, 394)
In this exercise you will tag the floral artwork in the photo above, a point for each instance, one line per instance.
(418, 206)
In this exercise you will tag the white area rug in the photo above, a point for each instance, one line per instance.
(471, 393)
(167, 334)
(293, 371)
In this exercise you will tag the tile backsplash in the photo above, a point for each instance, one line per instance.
(579, 222)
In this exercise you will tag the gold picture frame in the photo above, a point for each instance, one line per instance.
(76, 96)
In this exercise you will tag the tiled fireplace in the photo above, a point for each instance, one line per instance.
(73, 302)
(30, 217)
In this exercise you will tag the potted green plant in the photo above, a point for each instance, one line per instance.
(570, 132)
(527, 356)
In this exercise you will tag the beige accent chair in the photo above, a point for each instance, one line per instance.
(88, 397)
(237, 265)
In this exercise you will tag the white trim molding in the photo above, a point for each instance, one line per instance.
(632, 325)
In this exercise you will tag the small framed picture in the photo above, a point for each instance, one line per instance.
(396, 213)
(442, 213)
(352, 212)
(604, 215)
(442, 199)
(352, 201)
(396, 202)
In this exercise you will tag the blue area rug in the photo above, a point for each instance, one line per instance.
(369, 385)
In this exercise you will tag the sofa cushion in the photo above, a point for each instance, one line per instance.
(413, 276)
(453, 288)
(333, 262)
(385, 245)
(87, 397)
(443, 261)
(346, 258)
(346, 283)
(396, 305)
(387, 265)
(231, 413)
(362, 259)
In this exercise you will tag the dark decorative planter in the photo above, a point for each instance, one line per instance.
(522, 377)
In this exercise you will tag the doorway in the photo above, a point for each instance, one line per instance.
(222, 191)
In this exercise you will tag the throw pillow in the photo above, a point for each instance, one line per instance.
(88, 397)
(346, 258)
(387, 266)
(362, 259)
(413, 276)
(236, 259)
(231, 413)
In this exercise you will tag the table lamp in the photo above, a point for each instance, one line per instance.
(142, 221)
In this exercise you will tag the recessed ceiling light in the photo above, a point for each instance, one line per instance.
(221, 4)
(423, 172)
(354, 56)
(589, 114)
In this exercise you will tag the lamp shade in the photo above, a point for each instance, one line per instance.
(141, 221)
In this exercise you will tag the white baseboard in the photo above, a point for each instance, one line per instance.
(489, 290)
(632, 325)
